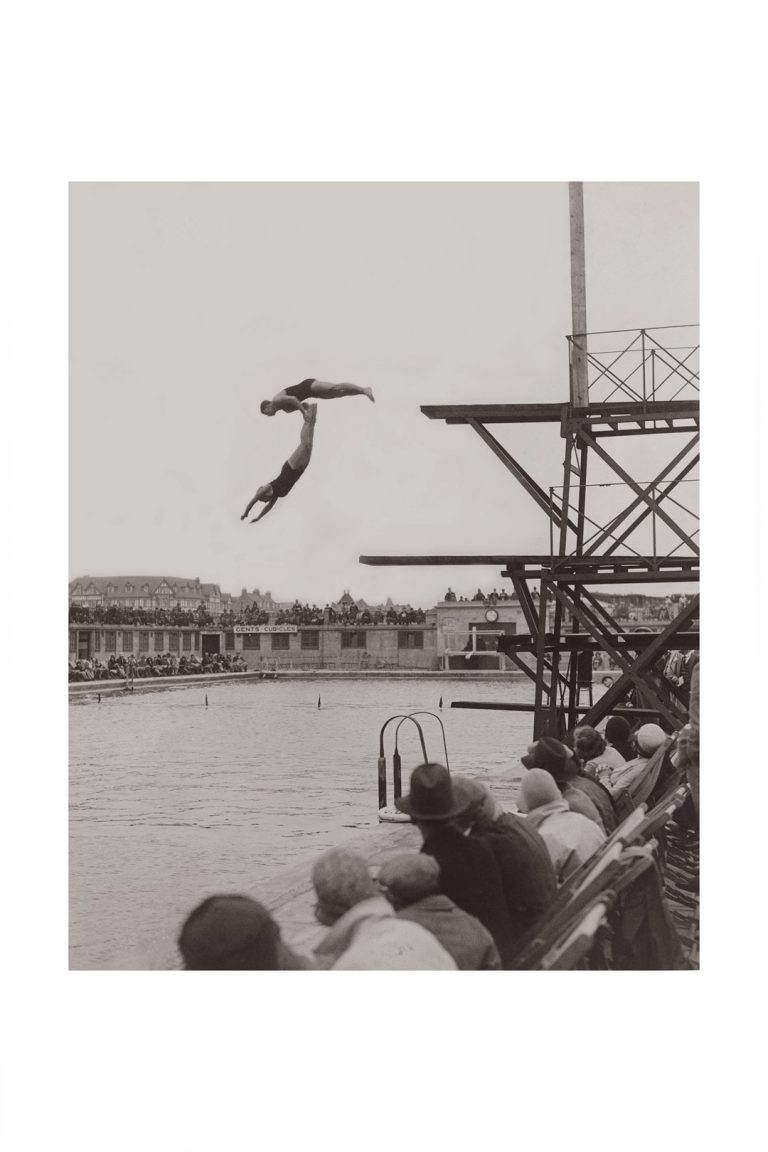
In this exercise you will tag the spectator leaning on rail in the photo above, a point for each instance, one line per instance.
(527, 874)
(411, 882)
(570, 837)
(554, 757)
(234, 933)
(469, 874)
(364, 931)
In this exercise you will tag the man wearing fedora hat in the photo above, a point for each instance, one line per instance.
(469, 874)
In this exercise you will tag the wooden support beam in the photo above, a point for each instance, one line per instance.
(579, 383)
(498, 706)
(662, 643)
(525, 600)
(517, 470)
(616, 655)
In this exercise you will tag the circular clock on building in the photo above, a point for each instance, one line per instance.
(491, 615)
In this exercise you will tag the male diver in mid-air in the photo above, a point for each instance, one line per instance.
(293, 468)
(294, 398)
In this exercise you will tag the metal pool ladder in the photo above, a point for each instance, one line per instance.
(389, 813)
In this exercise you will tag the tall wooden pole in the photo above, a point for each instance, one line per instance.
(580, 393)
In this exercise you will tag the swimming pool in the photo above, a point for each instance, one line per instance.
(171, 800)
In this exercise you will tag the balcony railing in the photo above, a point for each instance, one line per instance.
(641, 365)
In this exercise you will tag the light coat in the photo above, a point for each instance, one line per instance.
(570, 837)
(370, 937)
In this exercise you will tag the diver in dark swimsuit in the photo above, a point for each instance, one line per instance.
(290, 472)
(294, 399)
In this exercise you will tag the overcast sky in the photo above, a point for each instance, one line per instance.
(190, 303)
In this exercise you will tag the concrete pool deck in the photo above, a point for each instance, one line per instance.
(145, 683)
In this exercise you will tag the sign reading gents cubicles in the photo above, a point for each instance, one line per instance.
(250, 628)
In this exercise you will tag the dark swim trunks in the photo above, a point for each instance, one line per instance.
(301, 391)
(286, 480)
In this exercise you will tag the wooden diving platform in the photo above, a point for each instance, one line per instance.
(624, 568)
(625, 412)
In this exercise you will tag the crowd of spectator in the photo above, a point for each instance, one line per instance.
(158, 664)
(158, 617)
(486, 876)
(494, 597)
(298, 614)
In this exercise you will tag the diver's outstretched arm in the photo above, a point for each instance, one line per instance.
(268, 508)
(260, 494)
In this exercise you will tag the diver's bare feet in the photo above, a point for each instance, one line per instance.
(369, 394)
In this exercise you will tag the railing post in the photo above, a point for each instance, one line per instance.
(642, 357)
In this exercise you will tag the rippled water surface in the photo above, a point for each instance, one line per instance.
(171, 801)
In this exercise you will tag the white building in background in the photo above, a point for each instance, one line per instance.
(467, 632)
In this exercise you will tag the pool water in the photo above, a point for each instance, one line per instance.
(172, 801)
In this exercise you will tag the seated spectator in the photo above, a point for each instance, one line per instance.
(364, 931)
(527, 875)
(469, 873)
(617, 736)
(647, 740)
(411, 883)
(570, 837)
(597, 758)
(557, 759)
(595, 761)
(234, 933)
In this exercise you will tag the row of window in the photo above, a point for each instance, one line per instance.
(310, 641)
(189, 640)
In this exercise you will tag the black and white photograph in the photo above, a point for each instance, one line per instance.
(383, 576)
(360, 358)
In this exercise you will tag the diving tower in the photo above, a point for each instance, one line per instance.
(628, 529)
